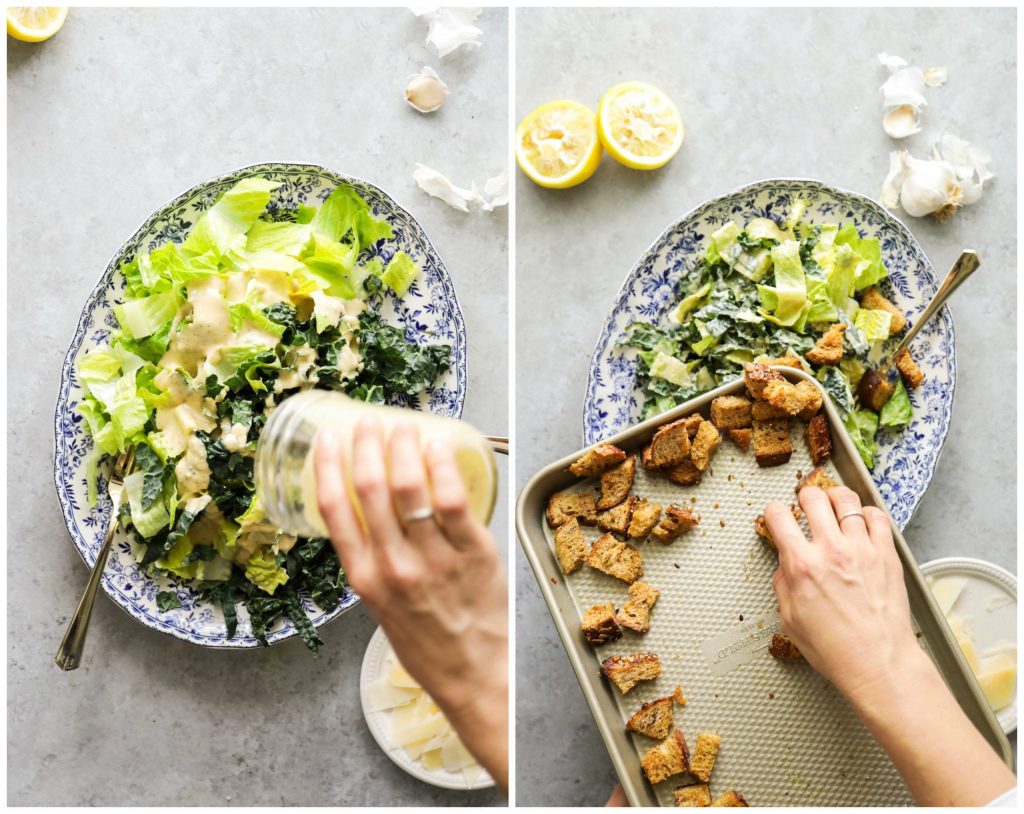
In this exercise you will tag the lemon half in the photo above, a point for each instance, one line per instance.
(557, 144)
(639, 125)
(35, 23)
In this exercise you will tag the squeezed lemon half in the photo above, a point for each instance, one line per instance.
(557, 145)
(35, 23)
(639, 125)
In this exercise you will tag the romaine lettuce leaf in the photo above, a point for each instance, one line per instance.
(145, 317)
(345, 211)
(873, 324)
(862, 426)
(224, 225)
(790, 289)
(896, 412)
(869, 251)
(148, 522)
(400, 273)
(263, 571)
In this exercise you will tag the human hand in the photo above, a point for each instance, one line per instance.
(435, 585)
(841, 594)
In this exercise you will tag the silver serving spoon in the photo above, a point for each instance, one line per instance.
(880, 381)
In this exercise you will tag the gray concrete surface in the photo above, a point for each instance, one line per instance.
(109, 120)
(765, 93)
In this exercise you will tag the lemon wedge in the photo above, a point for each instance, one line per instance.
(639, 125)
(557, 145)
(35, 23)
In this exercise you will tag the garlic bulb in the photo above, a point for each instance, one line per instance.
(901, 122)
(954, 177)
(425, 91)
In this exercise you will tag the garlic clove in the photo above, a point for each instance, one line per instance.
(935, 77)
(901, 122)
(425, 91)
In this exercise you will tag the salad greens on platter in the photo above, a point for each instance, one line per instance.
(215, 332)
(765, 290)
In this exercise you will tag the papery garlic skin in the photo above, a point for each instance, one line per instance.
(437, 185)
(426, 92)
(901, 122)
(451, 28)
(935, 77)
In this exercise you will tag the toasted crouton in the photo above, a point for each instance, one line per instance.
(692, 424)
(829, 349)
(874, 390)
(565, 506)
(647, 458)
(697, 796)
(761, 528)
(615, 558)
(783, 649)
(818, 439)
(784, 396)
(668, 758)
(911, 373)
(812, 398)
(645, 517)
(704, 445)
(704, 755)
(596, 460)
(730, 799)
(636, 613)
(685, 473)
(817, 477)
(617, 518)
(599, 625)
(784, 361)
(730, 412)
(570, 547)
(616, 483)
(670, 444)
(677, 520)
(655, 718)
(628, 671)
(873, 300)
(771, 442)
(757, 376)
(763, 411)
(741, 438)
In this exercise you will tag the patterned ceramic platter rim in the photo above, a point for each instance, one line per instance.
(906, 460)
(430, 311)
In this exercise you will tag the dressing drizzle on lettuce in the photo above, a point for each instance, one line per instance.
(214, 333)
(765, 290)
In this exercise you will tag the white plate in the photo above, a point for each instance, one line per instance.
(986, 583)
(374, 668)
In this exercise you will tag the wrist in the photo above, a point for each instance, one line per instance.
(909, 680)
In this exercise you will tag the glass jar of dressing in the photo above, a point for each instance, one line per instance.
(285, 472)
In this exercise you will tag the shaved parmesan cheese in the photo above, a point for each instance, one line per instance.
(385, 695)
(420, 731)
(400, 678)
(947, 590)
(432, 760)
(455, 755)
(1000, 686)
(416, 750)
(471, 773)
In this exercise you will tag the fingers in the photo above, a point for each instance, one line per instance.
(880, 534)
(369, 477)
(784, 529)
(451, 503)
(820, 516)
(844, 501)
(618, 798)
(408, 480)
(334, 502)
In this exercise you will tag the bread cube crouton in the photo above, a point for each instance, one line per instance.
(911, 373)
(756, 377)
(596, 460)
(874, 390)
(829, 349)
(565, 506)
(616, 483)
(730, 799)
(677, 520)
(818, 439)
(704, 755)
(692, 424)
(783, 395)
(670, 444)
(570, 547)
(761, 528)
(697, 796)
(685, 473)
(817, 477)
(704, 444)
(616, 559)
(873, 300)
(784, 361)
(628, 671)
(636, 613)
(783, 649)
(617, 518)
(599, 625)
(645, 518)
(668, 758)
(771, 442)
(647, 458)
(813, 398)
(763, 411)
(655, 718)
(741, 438)
(730, 412)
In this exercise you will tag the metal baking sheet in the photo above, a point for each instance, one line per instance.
(788, 737)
